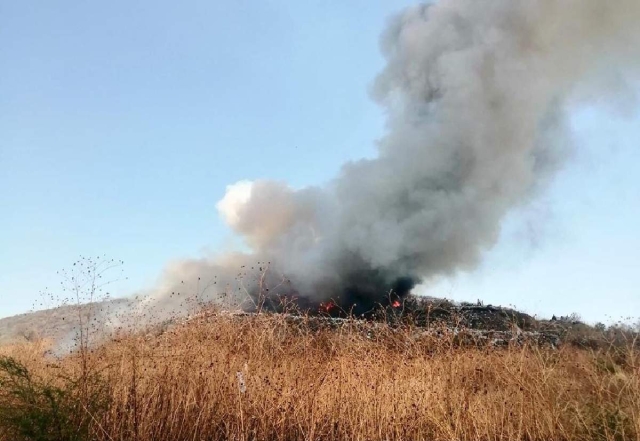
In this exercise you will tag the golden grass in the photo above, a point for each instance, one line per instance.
(265, 378)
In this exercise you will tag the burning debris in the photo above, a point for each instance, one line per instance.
(327, 307)
(422, 319)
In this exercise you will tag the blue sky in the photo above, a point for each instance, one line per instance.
(121, 125)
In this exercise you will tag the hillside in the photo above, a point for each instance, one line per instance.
(52, 324)
(483, 322)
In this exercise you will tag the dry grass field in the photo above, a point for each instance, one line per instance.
(266, 378)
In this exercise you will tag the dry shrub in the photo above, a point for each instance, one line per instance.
(267, 378)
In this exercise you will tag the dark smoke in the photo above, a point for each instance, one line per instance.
(477, 93)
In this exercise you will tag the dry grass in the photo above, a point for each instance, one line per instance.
(264, 378)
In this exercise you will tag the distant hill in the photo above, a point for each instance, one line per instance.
(54, 324)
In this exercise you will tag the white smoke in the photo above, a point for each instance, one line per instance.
(476, 93)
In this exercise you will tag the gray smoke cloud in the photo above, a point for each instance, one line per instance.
(476, 94)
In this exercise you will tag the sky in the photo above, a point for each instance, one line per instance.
(121, 124)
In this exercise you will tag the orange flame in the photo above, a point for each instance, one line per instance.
(327, 306)
(396, 304)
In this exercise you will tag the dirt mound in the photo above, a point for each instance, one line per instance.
(470, 322)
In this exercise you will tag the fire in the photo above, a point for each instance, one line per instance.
(396, 304)
(327, 307)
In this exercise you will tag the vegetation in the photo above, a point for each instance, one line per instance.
(427, 371)
(264, 377)
(37, 409)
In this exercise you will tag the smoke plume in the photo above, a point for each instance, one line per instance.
(476, 94)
